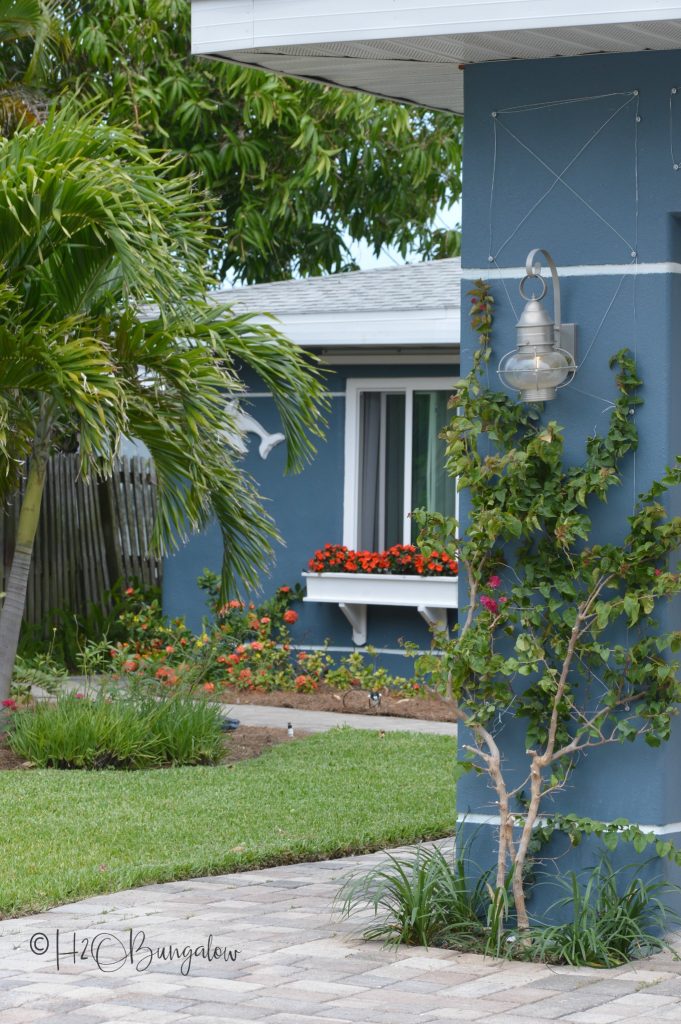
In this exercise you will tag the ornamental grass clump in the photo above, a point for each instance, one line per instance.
(613, 916)
(425, 899)
(79, 732)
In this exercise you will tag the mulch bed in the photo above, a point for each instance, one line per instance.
(9, 761)
(245, 743)
(249, 741)
(355, 702)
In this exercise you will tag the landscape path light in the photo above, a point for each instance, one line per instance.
(544, 357)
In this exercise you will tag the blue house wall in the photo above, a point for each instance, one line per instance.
(308, 511)
(611, 222)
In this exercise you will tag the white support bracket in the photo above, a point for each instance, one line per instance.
(435, 618)
(356, 614)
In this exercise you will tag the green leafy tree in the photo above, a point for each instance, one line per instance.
(295, 167)
(105, 332)
(31, 39)
(547, 604)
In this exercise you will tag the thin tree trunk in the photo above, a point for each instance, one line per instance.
(17, 584)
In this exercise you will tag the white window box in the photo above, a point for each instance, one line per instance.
(353, 592)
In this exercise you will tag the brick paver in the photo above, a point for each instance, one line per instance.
(296, 965)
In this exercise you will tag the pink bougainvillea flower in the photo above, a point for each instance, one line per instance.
(489, 603)
(290, 617)
(658, 572)
(79, 696)
(494, 582)
(503, 600)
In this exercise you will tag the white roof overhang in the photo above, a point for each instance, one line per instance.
(415, 51)
(355, 329)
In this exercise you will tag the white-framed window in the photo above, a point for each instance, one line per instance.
(394, 458)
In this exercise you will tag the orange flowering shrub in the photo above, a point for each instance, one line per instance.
(244, 646)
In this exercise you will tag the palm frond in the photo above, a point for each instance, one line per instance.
(94, 231)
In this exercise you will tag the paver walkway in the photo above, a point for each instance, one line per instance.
(295, 965)
(320, 721)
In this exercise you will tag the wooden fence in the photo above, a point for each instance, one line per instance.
(89, 536)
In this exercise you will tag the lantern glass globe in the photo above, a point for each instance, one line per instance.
(532, 371)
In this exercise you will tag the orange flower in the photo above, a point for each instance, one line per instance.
(290, 616)
(168, 675)
(209, 687)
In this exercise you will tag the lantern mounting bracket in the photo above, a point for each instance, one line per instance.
(565, 334)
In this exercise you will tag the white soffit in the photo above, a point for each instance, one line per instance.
(398, 49)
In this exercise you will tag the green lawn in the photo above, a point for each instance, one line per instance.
(68, 834)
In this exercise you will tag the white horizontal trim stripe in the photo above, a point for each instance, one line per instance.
(494, 819)
(587, 270)
(350, 650)
(268, 394)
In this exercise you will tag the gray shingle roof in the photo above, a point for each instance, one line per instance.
(435, 285)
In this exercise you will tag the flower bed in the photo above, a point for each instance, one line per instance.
(399, 560)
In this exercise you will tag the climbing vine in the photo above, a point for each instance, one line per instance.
(557, 629)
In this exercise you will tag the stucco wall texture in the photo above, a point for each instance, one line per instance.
(583, 167)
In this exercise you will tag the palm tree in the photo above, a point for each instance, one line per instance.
(30, 34)
(105, 331)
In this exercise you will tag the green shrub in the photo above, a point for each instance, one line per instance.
(64, 633)
(76, 732)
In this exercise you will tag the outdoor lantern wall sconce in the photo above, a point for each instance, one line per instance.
(544, 357)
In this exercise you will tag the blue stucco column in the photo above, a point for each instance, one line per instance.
(575, 156)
